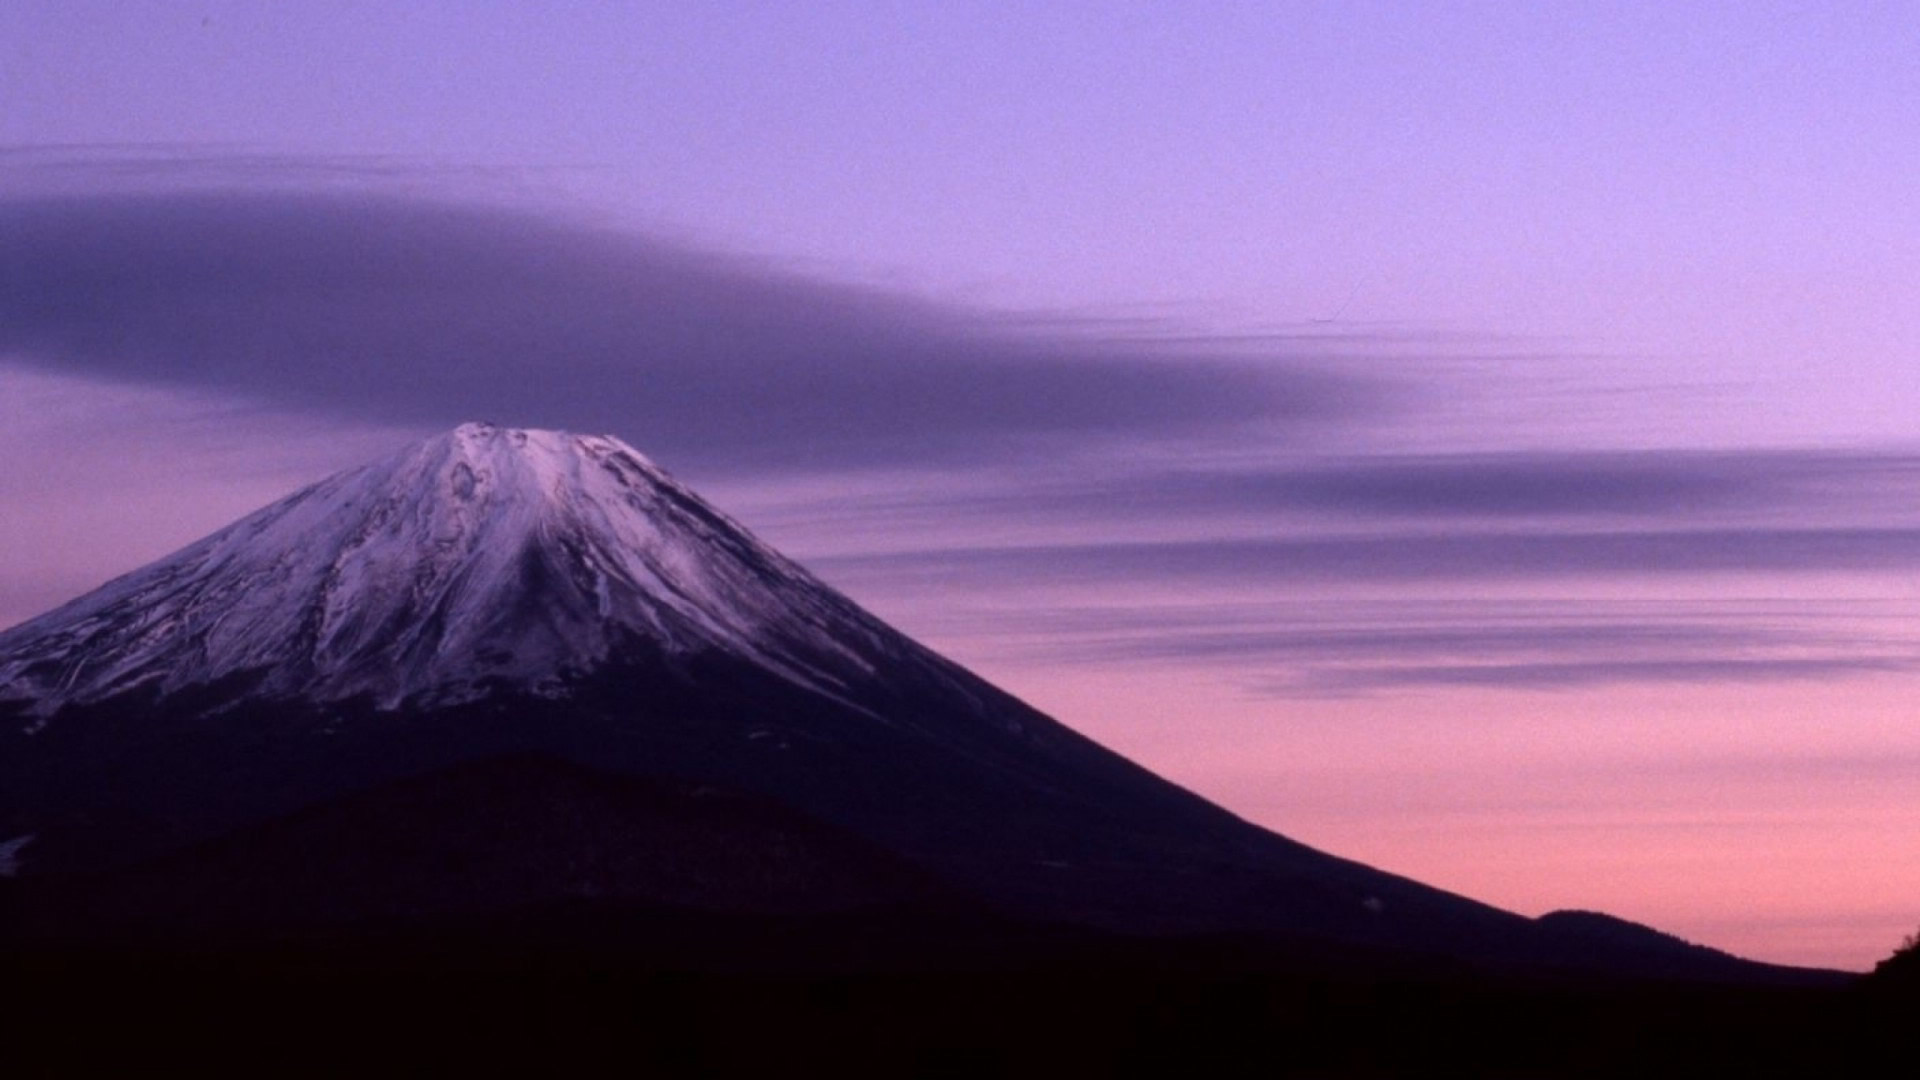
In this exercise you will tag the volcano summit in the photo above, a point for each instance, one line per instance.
(484, 557)
(503, 668)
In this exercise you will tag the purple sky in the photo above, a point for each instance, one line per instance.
(1476, 439)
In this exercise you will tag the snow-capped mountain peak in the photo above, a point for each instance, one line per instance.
(486, 553)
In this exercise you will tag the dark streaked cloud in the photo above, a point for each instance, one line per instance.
(1416, 556)
(1675, 486)
(1457, 538)
(1568, 675)
(1660, 483)
(394, 309)
(1346, 643)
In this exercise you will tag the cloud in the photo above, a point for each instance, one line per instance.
(1567, 675)
(1312, 649)
(396, 309)
(1653, 483)
(1347, 643)
(1675, 486)
(1309, 615)
(1456, 538)
(1413, 556)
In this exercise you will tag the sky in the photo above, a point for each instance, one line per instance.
(1472, 438)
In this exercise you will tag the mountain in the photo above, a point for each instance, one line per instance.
(502, 668)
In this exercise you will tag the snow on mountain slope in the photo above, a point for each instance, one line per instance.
(484, 554)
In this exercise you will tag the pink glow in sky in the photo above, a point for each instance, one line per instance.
(1473, 439)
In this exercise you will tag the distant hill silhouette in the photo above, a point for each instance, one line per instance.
(1655, 952)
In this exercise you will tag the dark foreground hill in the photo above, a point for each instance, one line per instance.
(591, 988)
(705, 932)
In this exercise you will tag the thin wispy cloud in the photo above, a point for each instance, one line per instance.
(1674, 487)
(1455, 538)
(1416, 556)
(1317, 648)
(1317, 641)
(1573, 675)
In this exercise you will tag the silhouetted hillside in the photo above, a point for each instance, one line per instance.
(1901, 971)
